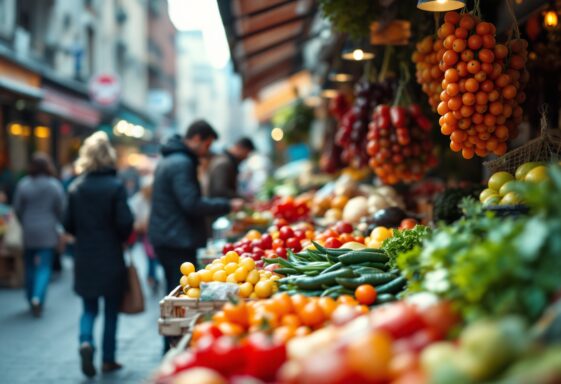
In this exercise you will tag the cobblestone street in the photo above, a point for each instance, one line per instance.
(45, 350)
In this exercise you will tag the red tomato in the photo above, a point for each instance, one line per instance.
(398, 319)
(258, 252)
(408, 224)
(333, 242)
(344, 227)
(227, 248)
(266, 241)
(281, 252)
(280, 223)
(277, 243)
(294, 244)
(286, 233)
(300, 234)
(440, 316)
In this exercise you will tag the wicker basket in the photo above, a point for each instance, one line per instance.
(178, 315)
(545, 148)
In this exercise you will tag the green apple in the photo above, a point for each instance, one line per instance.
(498, 179)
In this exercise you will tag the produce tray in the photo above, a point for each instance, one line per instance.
(178, 314)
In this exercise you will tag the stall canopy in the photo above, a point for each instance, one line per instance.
(266, 38)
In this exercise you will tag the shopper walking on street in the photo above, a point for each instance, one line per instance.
(177, 221)
(141, 203)
(39, 206)
(100, 220)
(224, 169)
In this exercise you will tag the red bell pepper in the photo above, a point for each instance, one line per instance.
(263, 357)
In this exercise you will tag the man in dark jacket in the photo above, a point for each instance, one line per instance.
(223, 171)
(177, 220)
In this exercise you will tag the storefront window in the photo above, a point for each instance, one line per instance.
(18, 142)
(43, 139)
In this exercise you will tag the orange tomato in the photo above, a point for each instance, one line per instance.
(282, 334)
(366, 294)
(236, 313)
(312, 314)
(219, 317)
(346, 299)
(230, 329)
(345, 238)
(291, 320)
(370, 356)
(327, 305)
(298, 302)
(283, 303)
(302, 331)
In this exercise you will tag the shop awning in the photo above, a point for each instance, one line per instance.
(71, 108)
(266, 38)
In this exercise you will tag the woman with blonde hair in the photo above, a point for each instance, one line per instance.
(99, 218)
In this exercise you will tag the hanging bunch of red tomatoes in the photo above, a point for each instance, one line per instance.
(399, 145)
(428, 73)
(352, 132)
(482, 86)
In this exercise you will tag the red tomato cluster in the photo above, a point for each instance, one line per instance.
(398, 144)
(289, 209)
(482, 85)
(337, 235)
(428, 74)
(352, 132)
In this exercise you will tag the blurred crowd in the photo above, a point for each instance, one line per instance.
(95, 213)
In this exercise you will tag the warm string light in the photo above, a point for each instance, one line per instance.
(277, 134)
(550, 19)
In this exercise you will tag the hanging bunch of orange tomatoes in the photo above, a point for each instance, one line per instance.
(429, 75)
(482, 86)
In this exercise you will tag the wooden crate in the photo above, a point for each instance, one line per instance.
(11, 268)
(178, 315)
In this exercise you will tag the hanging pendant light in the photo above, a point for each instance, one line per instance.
(357, 51)
(440, 5)
(550, 19)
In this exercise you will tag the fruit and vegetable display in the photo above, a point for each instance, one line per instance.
(230, 268)
(494, 266)
(501, 185)
(332, 272)
(290, 209)
(482, 83)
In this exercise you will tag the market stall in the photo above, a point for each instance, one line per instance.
(400, 264)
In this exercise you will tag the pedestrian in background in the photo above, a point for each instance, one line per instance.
(39, 206)
(141, 204)
(100, 220)
(224, 169)
(177, 220)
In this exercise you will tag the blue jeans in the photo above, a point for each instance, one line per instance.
(38, 268)
(111, 313)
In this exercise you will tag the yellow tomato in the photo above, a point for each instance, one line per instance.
(219, 276)
(275, 235)
(194, 293)
(268, 274)
(241, 274)
(275, 278)
(248, 263)
(253, 295)
(264, 289)
(194, 280)
(253, 277)
(253, 235)
(231, 267)
(231, 257)
(183, 281)
(218, 265)
(231, 278)
(186, 268)
(380, 234)
(246, 290)
(205, 276)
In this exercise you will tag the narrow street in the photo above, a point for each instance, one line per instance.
(45, 350)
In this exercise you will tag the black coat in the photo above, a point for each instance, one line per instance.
(101, 221)
(177, 218)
